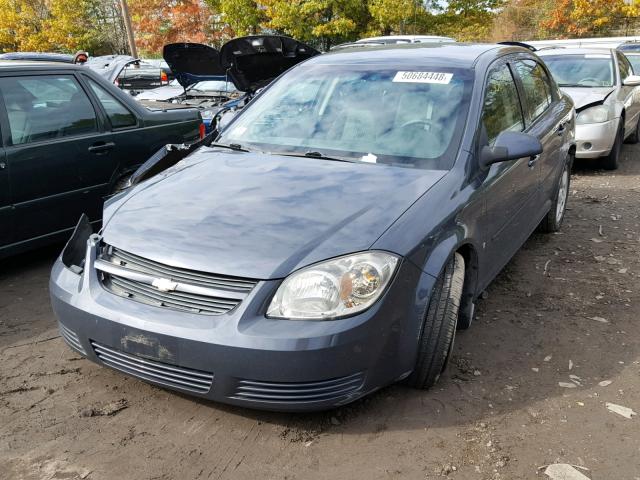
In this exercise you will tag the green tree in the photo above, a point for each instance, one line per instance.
(467, 20)
(399, 17)
(320, 22)
(243, 17)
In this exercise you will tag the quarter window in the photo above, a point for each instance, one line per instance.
(46, 107)
(536, 85)
(118, 114)
(625, 67)
(501, 109)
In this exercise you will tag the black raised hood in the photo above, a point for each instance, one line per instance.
(254, 61)
(193, 62)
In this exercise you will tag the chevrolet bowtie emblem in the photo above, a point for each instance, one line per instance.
(164, 284)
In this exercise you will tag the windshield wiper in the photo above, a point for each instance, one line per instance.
(232, 146)
(314, 154)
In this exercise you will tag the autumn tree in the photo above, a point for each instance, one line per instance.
(467, 20)
(397, 17)
(158, 22)
(243, 17)
(587, 18)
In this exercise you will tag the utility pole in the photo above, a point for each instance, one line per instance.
(127, 25)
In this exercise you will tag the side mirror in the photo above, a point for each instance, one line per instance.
(510, 146)
(631, 81)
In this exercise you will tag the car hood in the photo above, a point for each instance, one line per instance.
(193, 62)
(254, 61)
(161, 94)
(583, 96)
(260, 216)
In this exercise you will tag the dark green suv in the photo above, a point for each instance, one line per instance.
(68, 139)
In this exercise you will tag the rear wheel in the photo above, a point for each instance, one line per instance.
(610, 162)
(553, 220)
(439, 325)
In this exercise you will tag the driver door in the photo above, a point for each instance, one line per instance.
(511, 189)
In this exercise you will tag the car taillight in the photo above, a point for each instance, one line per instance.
(163, 78)
(203, 131)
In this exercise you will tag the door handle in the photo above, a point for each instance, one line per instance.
(560, 129)
(101, 147)
(3, 165)
(533, 160)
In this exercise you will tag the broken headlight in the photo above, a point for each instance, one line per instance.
(335, 288)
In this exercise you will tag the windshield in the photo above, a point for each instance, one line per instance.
(361, 113)
(582, 70)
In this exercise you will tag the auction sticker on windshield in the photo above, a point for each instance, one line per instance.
(423, 77)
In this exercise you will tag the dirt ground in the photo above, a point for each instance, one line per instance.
(567, 304)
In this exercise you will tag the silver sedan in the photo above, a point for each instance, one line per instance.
(606, 94)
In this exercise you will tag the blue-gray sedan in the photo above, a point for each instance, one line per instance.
(336, 234)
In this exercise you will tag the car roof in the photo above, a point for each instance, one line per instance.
(408, 38)
(573, 51)
(451, 54)
(8, 65)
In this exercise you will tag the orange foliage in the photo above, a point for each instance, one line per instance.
(158, 22)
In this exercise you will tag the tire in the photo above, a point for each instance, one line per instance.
(635, 136)
(553, 220)
(439, 325)
(611, 161)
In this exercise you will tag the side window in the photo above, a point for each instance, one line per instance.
(625, 67)
(118, 114)
(501, 109)
(537, 87)
(46, 107)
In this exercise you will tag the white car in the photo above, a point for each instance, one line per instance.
(606, 94)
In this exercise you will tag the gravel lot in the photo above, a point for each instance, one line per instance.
(567, 304)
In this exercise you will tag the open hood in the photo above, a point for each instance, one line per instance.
(254, 61)
(193, 62)
(587, 96)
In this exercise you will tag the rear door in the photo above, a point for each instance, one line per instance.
(54, 137)
(544, 118)
(630, 95)
(510, 188)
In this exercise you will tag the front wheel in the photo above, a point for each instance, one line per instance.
(439, 325)
(553, 220)
(611, 161)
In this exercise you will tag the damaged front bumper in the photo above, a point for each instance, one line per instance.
(241, 357)
(595, 140)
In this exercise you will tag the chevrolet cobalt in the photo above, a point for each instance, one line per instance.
(333, 237)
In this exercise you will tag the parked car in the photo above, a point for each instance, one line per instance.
(634, 60)
(79, 57)
(69, 138)
(606, 95)
(629, 46)
(394, 39)
(127, 73)
(161, 64)
(334, 237)
(216, 81)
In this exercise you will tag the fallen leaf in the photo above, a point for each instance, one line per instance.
(620, 410)
(605, 383)
(596, 240)
(567, 385)
(563, 471)
(599, 319)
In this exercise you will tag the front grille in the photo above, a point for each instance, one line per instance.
(287, 392)
(71, 338)
(168, 375)
(134, 277)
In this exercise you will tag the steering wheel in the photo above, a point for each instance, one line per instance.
(591, 80)
(411, 123)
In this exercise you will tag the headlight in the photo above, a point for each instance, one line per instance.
(335, 288)
(597, 114)
(207, 114)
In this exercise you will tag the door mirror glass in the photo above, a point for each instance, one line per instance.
(631, 81)
(510, 146)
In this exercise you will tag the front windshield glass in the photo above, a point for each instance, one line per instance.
(581, 70)
(364, 113)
